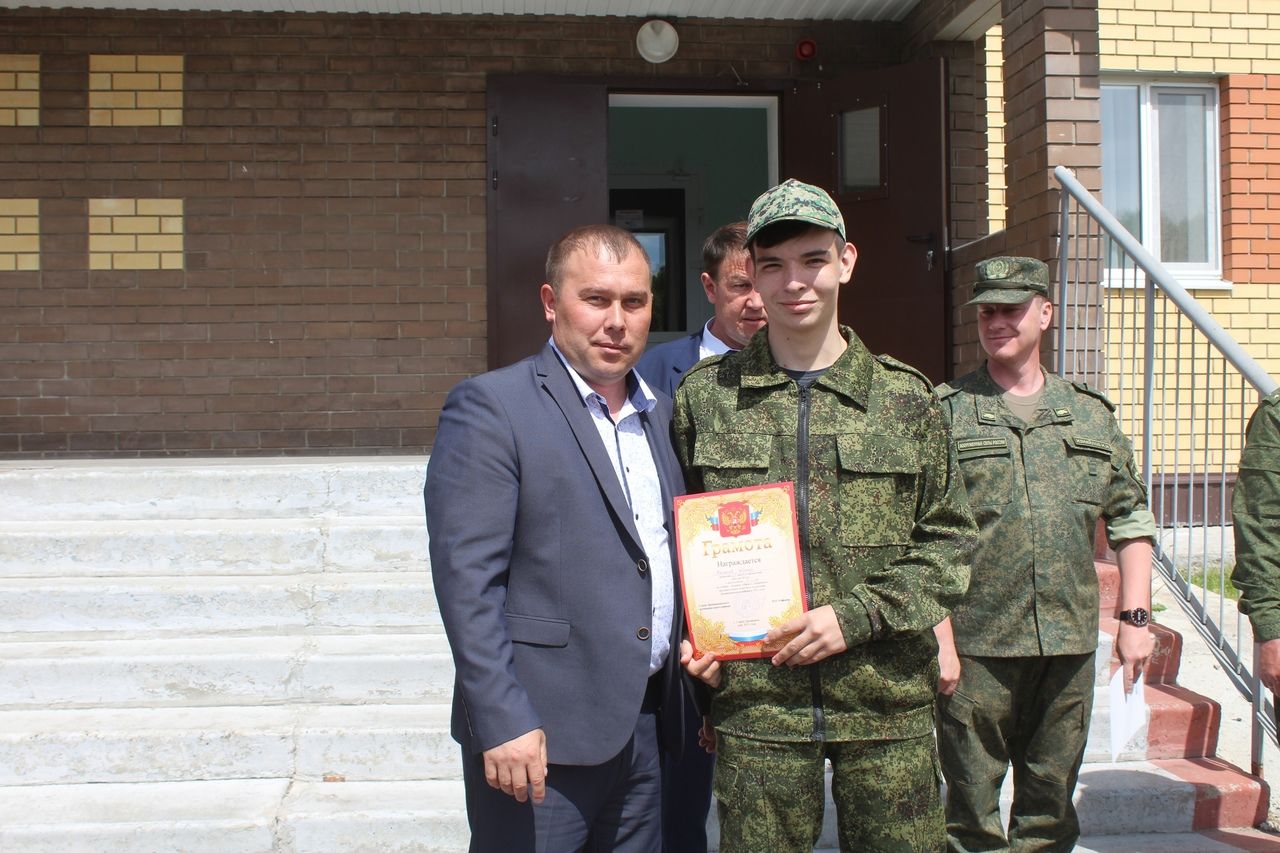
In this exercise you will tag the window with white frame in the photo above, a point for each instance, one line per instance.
(1160, 172)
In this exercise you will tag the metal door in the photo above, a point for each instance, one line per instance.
(548, 173)
(877, 141)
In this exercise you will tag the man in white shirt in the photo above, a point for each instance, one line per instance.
(738, 314)
(548, 500)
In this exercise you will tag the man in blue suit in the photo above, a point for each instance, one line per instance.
(548, 500)
(738, 313)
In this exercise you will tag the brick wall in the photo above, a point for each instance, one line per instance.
(331, 174)
(993, 95)
(1250, 311)
(967, 140)
(1047, 113)
(1190, 36)
(1250, 116)
(1239, 45)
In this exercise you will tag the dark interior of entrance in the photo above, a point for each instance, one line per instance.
(677, 173)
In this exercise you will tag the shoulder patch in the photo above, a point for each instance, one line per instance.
(892, 363)
(1086, 388)
(705, 364)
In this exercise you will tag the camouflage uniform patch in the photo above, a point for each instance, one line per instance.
(886, 532)
(1255, 510)
(1009, 281)
(795, 201)
(1027, 630)
(886, 794)
(1037, 491)
(1033, 713)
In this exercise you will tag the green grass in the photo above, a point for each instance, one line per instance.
(1209, 577)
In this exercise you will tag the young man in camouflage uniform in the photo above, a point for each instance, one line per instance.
(1043, 460)
(1255, 511)
(885, 539)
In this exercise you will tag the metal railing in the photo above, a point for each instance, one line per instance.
(1184, 391)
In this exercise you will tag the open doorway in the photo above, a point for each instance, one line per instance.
(559, 148)
(679, 167)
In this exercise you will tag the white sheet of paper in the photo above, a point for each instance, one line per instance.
(1128, 713)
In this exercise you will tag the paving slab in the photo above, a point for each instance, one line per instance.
(1214, 841)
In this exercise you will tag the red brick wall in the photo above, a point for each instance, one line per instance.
(1250, 115)
(333, 173)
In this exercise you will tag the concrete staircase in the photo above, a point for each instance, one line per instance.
(245, 655)
(231, 655)
(1167, 791)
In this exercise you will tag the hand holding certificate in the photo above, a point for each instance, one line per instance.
(739, 558)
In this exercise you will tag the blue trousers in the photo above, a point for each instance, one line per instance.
(615, 806)
(686, 790)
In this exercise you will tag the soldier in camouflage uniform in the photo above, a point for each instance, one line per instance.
(1255, 510)
(885, 538)
(1043, 460)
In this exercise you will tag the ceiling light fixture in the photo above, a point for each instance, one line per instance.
(657, 40)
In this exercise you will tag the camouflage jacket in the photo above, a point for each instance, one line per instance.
(1255, 510)
(885, 532)
(1037, 491)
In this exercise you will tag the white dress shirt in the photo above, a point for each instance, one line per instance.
(628, 449)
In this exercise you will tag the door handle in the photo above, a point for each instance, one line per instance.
(928, 255)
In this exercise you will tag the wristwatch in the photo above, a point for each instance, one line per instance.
(1137, 617)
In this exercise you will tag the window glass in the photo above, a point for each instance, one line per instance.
(860, 150)
(1121, 156)
(1184, 219)
(1160, 170)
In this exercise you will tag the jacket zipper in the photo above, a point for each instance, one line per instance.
(802, 519)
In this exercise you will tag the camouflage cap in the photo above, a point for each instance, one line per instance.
(794, 200)
(1009, 281)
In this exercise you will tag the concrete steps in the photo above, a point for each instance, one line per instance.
(186, 489)
(222, 655)
(1180, 722)
(307, 742)
(334, 669)
(211, 547)
(234, 816)
(222, 604)
(1167, 791)
(246, 655)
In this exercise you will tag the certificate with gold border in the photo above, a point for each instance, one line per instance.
(739, 559)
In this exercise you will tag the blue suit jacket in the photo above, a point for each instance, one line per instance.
(664, 366)
(541, 577)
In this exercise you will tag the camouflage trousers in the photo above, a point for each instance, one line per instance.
(1032, 713)
(771, 795)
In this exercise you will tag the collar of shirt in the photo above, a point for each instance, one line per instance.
(639, 397)
(710, 345)
(1055, 404)
(850, 375)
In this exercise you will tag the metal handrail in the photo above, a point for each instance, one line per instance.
(1155, 271)
(1171, 320)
